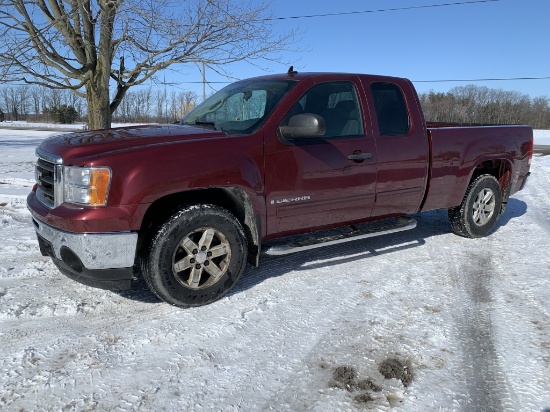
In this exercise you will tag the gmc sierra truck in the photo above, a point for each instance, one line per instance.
(187, 205)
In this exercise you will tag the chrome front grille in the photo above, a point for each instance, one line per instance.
(48, 176)
(45, 177)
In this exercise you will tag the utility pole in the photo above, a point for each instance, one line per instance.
(203, 82)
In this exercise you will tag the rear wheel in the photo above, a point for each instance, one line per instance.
(477, 214)
(196, 257)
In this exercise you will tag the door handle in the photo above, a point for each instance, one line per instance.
(360, 156)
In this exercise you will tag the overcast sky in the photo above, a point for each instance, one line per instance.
(491, 39)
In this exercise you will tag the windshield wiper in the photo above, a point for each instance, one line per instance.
(202, 123)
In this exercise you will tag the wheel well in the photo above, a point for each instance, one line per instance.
(235, 200)
(502, 171)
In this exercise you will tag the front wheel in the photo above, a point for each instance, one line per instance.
(477, 214)
(196, 257)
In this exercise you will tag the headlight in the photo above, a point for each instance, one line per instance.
(86, 185)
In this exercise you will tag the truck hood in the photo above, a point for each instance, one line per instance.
(86, 144)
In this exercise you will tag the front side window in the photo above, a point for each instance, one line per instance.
(336, 103)
(239, 108)
(391, 109)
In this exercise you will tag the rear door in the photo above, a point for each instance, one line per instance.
(402, 148)
(319, 182)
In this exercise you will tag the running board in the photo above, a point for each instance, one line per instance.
(402, 224)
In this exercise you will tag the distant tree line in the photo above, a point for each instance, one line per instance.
(155, 105)
(476, 104)
(34, 103)
(42, 104)
(467, 104)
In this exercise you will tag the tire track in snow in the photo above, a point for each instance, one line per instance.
(537, 192)
(486, 381)
(467, 283)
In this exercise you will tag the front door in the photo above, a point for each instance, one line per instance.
(324, 181)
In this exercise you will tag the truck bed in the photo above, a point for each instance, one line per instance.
(457, 149)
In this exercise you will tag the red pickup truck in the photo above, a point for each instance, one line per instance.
(273, 157)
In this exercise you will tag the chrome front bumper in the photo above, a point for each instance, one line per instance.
(96, 251)
(101, 260)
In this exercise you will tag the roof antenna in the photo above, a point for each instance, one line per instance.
(291, 71)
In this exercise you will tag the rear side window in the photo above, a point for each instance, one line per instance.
(391, 110)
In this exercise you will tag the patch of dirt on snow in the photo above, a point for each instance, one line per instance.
(363, 398)
(346, 377)
(395, 369)
(367, 384)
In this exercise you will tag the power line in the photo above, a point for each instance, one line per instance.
(495, 79)
(379, 10)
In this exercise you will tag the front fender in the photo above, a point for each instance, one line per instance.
(142, 176)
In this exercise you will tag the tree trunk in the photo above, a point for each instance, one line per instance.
(99, 112)
(97, 95)
(97, 89)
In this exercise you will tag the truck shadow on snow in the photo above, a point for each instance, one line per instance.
(433, 223)
(515, 209)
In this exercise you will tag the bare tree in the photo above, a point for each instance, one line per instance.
(101, 48)
(6, 101)
(160, 99)
(540, 114)
(172, 114)
(188, 100)
(56, 97)
(123, 112)
(15, 101)
(141, 107)
(36, 100)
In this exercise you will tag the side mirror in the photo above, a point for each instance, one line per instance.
(304, 125)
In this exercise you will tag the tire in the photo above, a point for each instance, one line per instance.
(196, 256)
(477, 214)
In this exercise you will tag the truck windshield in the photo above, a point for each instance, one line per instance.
(241, 107)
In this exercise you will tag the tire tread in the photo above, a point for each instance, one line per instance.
(458, 216)
(178, 219)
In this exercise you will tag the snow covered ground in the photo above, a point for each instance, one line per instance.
(15, 124)
(462, 325)
(542, 137)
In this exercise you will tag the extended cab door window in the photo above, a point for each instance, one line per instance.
(336, 103)
(391, 109)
